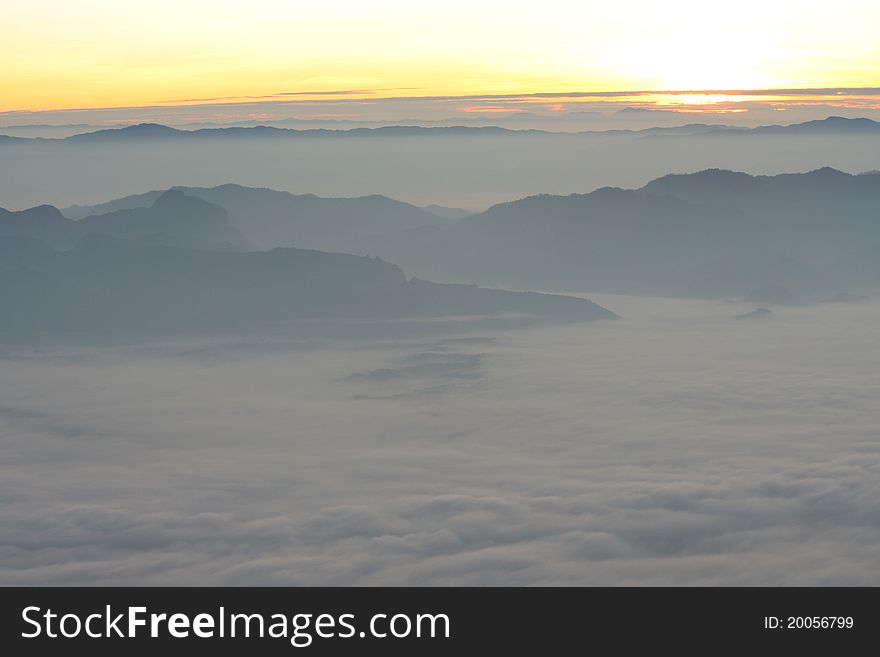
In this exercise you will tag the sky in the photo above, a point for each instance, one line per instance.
(65, 54)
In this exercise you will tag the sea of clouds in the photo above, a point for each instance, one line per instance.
(673, 446)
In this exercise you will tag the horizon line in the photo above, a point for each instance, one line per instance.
(360, 95)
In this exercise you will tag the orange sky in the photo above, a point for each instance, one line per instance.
(102, 53)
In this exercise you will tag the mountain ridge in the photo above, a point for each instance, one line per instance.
(107, 286)
(146, 131)
(173, 218)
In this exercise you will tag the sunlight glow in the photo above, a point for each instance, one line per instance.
(103, 53)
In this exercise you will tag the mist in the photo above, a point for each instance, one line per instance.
(675, 445)
(470, 171)
(441, 356)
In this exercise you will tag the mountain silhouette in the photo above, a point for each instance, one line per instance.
(173, 218)
(835, 125)
(155, 131)
(270, 218)
(786, 238)
(818, 216)
(714, 233)
(611, 239)
(44, 222)
(139, 131)
(108, 286)
(830, 126)
(827, 187)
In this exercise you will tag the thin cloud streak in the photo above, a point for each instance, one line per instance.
(268, 99)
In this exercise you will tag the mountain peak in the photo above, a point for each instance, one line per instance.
(138, 130)
(171, 196)
(708, 181)
(43, 214)
(175, 199)
(828, 125)
(842, 120)
(828, 172)
(148, 128)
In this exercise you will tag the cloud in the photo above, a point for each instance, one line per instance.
(674, 446)
(283, 94)
(390, 105)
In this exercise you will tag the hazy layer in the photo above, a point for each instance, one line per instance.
(675, 445)
(462, 171)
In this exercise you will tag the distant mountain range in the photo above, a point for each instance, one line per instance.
(187, 258)
(157, 131)
(820, 191)
(270, 218)
(714, 233)
(833, 125)
(177, 265)
(711, 233)
(837, 125)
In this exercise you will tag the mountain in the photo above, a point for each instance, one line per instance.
(107, 286)
(833, 125)
(827, 187)
(756, 273)
(8, 139)
(830, 126)
(689, 129)
(143, 200)
(139, 131)
(788, 238)
(714, 233)
(154, 131)
(173, 218)
(774, 239)
(269, 218)
(44, 222)
(611, 239)
(819, 215)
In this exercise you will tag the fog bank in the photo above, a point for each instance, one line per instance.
(673, 446)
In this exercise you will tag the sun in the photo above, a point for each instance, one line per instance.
(685, 60)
